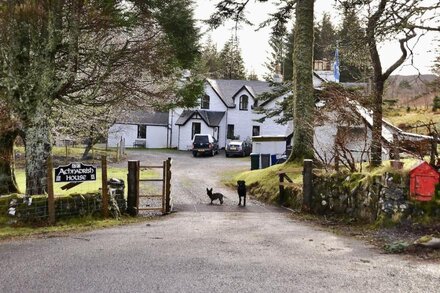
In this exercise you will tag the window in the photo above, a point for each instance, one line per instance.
(142, 131)
(244, 102)
(204, 103)
(195, 129)
(230, 134)
(255, 130)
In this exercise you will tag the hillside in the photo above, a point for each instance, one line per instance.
(410, 90)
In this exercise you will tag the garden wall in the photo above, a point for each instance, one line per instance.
(370, 198)
(35, 208)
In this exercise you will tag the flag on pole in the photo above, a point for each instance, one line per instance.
(336, 71)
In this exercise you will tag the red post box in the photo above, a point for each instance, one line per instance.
(422, 181)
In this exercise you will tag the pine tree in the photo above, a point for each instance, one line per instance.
(210, 60)
(436, 103)
(354, 56)
(325, 39)
(232, 66)
(276, 62)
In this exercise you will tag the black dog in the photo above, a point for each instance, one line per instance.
(214, 196)
(241, 190)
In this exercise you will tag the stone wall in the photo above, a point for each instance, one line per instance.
(369, 198)
(35, 208)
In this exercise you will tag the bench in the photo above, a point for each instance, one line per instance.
(139, 143)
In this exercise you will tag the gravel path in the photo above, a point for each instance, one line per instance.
(208, 248)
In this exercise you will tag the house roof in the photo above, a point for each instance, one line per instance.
(211, 118)
(140, 117)
(227, 89)
(388, 129)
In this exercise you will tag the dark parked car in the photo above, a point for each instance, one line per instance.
(204, 144)
(238, 148)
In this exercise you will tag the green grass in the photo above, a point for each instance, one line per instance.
(264, 183)
(74, 225)
(92, 186)
(400, 116)
(60, 151)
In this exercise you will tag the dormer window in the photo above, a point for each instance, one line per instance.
(204, 103)
(244, 101)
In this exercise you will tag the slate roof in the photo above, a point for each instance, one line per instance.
(140, 117)
(227, 89)
(211, 118)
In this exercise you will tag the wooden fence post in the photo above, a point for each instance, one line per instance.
(133, 187)
(307, 185)
(104, 188)
(281, 186)
(164, 187)
(50, 192)
(168, 187)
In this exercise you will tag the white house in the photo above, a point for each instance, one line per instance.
(226, 111)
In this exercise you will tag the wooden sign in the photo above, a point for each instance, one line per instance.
(75, 172)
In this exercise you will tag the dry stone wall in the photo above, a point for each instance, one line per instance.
(369, 198)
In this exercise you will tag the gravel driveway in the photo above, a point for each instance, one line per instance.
(204, 248)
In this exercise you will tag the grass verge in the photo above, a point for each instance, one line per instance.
(263, 184)
(64, 227)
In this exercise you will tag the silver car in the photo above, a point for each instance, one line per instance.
(238, 148)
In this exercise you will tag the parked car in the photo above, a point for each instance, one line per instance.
(204, 144)
(238, 148)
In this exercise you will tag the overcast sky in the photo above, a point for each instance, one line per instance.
(255, 48)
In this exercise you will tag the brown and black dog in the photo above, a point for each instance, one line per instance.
(241, 190)
(214, 196)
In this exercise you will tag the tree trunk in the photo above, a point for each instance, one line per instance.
(89, 146)
(8, 183)
(303, 100)
(376, 143)
(38, 144)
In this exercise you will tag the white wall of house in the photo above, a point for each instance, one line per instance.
(270, 127)
(359, 143)
(242, 119)
(215, 103)
(324, 141)
(118, 131)
(222, 132)
(185, 139)
(269, 145)
(156, 135)
(174, 133)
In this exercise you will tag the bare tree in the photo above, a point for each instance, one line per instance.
(88, 53)
(390, 19)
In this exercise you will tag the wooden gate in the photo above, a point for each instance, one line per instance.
(134, 191)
